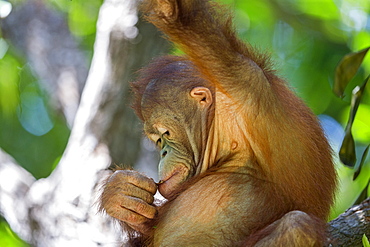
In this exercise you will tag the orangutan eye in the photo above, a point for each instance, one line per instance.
(158, 142)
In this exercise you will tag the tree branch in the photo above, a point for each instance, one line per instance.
(15, 183)
(42, 35)
(348, 228)
(58, 210)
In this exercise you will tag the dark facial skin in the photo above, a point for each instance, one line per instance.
(180, 146)
(176, 161)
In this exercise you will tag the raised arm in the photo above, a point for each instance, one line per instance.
(205, 33)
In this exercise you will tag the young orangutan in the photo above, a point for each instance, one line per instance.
(243, 161)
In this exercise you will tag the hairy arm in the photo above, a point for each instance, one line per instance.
(204, 31)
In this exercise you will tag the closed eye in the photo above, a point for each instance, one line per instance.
(163, 131)
(158, 142)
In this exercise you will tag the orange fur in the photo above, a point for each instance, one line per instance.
(263, 169)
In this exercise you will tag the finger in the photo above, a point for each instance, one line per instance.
(139, 206)
(136, 179)
(125, 215)
(134, 191)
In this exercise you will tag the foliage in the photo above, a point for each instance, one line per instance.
(27, 123)
(365, 241)
(306, 39)
(30, 130)
(354, 176)
(347, 69)
(8, 238)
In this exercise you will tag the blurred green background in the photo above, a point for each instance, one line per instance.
(306, 38)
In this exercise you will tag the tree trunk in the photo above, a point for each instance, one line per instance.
(59, 210)
(43, 36)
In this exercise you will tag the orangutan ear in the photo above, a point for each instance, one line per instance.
(202, 95)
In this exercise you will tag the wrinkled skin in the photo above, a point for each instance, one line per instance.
(243, 161)
(130, 198)
(179, 147)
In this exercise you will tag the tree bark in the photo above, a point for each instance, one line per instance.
(349, 227)
(59, 210)
(115, 121)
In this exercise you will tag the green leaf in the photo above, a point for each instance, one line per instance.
(365, 241)
(362, 196)
(363, 158)
(347, 153)
(346, 70)
(357, 93)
